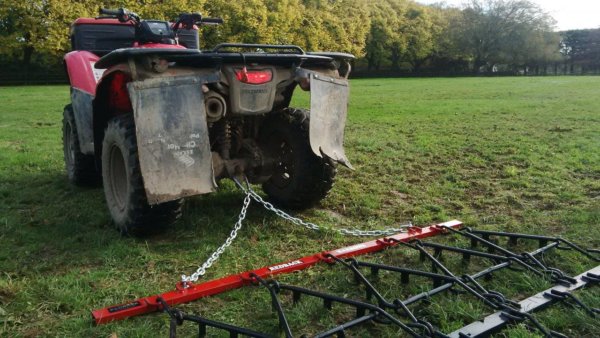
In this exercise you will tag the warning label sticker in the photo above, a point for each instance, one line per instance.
(97, 72)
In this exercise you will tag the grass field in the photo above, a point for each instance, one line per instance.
(518, 154)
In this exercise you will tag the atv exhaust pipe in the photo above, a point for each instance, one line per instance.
(215, 106)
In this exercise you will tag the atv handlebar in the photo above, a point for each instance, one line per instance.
(211, 21)
(188, 20)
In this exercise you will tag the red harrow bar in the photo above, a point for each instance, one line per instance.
(191, 292)
(375, 307)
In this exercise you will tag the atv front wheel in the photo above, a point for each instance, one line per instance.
(81, 168)
(300, 178)
(124, 186)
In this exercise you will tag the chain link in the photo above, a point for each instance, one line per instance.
(252, 195)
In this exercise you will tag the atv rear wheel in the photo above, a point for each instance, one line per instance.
(124, 185)
(300, 178)
(81, 168)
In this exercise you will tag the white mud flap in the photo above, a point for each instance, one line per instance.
(328, 110)
(172, 136)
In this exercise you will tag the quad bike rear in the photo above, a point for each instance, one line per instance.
(157, 120)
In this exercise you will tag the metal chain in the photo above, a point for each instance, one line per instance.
(215, 255)
(297, 221)
(252, 195)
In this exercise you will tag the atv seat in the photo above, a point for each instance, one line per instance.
(105, 35)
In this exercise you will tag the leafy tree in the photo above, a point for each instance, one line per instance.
(447, 54)
(582, 47)
(334, 25)
(382, 34)
(376, 45)
(24, 26)
(401, 31)
(492, 31)
(400, 34)
(244, 21)
(418, 32)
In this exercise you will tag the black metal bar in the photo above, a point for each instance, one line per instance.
(591, 278)
(571, 245)
(396, 305)
(405, 270)
(437, 246)
(470, 252)
(544, 248)
(511, 314)
(483, 273)
(484, 239)
(497, 321)
(177, 318)
(371, 290)
(351, 302)
(457, 280)
(555, 274)
(350, 324)
(428, 294)
(560, 295)
(219, 47)
(232, 329)
(511, 234)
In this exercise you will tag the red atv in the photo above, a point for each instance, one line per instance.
(157, 119)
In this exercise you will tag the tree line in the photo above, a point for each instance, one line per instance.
(397, 36)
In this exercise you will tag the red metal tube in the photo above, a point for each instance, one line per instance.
(193, 292)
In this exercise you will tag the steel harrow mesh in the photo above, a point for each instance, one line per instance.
(374, 307)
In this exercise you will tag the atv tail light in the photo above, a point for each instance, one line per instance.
(253, 76)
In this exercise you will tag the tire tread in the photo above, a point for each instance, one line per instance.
(317, 175)
(141, 218)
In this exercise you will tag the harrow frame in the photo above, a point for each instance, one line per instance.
(375, 307)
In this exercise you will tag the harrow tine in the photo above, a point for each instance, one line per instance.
(233, 330)
(396, 305)
(378, 311)
(447, 272)
(467, 232)
(371, 290)
(273, 287)
(560, 295)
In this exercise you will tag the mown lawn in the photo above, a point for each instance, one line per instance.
(517, 154)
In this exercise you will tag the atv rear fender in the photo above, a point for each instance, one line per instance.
(171, 127)
(83, 78)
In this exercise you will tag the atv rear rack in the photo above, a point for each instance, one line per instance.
(224, 46)
(376, 306)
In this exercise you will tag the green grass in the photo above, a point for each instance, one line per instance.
(517, 154)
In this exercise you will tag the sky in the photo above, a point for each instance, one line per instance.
(569, 14)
